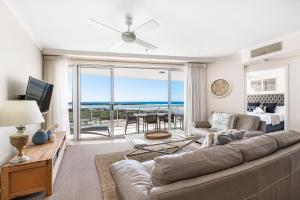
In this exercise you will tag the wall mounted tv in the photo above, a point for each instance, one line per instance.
(41, 92)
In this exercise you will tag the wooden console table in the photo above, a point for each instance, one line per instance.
(36, 175)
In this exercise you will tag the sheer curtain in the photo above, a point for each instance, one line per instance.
(194, 94)
(56, 72)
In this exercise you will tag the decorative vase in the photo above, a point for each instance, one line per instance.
(51, 136)
(40, 137)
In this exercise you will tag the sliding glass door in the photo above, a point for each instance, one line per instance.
(177, 98)
(141, 99)
(95, 102)
(112, 101)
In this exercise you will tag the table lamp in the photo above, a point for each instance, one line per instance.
(19, 114)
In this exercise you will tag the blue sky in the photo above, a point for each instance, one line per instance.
(97, 89)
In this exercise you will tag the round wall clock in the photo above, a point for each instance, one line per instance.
(220, 88)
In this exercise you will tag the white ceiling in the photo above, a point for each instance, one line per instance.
(197, 28)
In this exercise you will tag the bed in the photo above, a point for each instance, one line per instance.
(274, 121)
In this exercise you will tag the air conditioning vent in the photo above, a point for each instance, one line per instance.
(266, 49)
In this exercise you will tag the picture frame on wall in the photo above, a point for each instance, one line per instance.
(256, 85)
(269, 85)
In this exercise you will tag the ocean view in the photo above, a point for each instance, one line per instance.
(142, 105)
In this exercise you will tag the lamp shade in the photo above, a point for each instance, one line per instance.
(20, 113)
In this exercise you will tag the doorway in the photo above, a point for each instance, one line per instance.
(267, 96)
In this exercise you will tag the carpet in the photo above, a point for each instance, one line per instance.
(103, 163)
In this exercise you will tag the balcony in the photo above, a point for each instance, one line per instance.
(96, 119)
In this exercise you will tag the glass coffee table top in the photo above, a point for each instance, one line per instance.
(171, 145)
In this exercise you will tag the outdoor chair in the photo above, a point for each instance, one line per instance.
(180, 118)
(130, 119)
(150, 119)
(165, 120)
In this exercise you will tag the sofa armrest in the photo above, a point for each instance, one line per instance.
(262, 126)
(132, 180)
(201, 124)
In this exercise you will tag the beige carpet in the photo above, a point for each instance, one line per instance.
(103, 163)
(78, 177)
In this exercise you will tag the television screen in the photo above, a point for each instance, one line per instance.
(41, 92)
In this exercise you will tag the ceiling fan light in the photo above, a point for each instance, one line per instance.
(128, 37)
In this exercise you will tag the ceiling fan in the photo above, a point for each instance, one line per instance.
(129, 36)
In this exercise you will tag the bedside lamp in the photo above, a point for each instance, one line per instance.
(19, 114)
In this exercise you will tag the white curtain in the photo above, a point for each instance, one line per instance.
(194, 94)
(56, 72)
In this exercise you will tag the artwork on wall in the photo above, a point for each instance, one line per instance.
(269, 84)
(220, 88)
(256, 86)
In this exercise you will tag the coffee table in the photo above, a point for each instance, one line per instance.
(174, 144)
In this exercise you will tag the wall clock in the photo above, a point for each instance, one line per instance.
(220, 88)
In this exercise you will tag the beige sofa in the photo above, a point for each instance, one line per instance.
(252, 124)
(259, 168)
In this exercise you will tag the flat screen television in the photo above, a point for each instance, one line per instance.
(41, 92)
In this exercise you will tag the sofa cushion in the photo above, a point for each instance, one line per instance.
(222, 121)
(202, 124)
(131, 176)
(285, 138)
(247, 122)
(255, 147)
(176, 167)
(148, 165)
(253, 133)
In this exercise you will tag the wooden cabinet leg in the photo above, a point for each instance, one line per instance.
(49, 188)
(4, 184)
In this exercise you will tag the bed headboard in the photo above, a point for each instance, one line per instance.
(266, 98)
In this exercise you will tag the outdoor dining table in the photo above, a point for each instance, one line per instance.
(143, 115)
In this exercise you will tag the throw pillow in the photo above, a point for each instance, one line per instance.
(223, 121)
(208, 141)
(225, 137)
(270, 107)
(251, 108)
(256, 104)
(258, 110)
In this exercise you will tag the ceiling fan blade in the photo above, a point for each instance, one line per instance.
(149, 25)
(102, 26)
(145, 44)
(116, 44)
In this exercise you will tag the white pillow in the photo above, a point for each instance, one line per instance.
(258, 110)
(280, 109)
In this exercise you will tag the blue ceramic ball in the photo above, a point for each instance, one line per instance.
(40, 137)
(49, 133)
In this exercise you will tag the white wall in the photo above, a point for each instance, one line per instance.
(260, 75)
(232, 70)
(19, 58)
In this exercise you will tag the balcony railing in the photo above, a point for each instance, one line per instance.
(95, 115)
